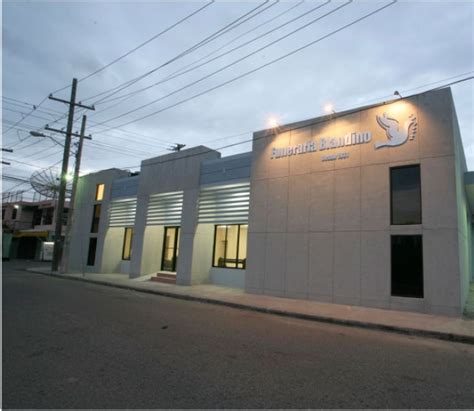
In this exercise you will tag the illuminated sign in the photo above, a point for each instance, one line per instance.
(396, 136)
(324, 143)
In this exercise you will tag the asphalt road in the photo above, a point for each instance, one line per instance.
(68, 344)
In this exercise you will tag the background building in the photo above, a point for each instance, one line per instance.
(27, 226)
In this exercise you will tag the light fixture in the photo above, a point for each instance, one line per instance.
(397, 93)
(329, 108)
(272, 122)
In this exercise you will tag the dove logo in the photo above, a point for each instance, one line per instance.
(396, 135)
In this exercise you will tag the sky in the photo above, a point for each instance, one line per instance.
(409, 46)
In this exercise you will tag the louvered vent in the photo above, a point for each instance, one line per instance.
(224, 204)
(122, 213)
(165, 209)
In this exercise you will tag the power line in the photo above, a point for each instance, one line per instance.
(235, 61)
(154, 145)
(242, 35)
(26, 116)
(318, 120)
(140, 45)
(186, 70)
(261, 66)
(232, 25)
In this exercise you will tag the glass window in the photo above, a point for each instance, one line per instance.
(95, 218)
(170, 249)
(37, 214)
(48, 215)
(3, 213)
(230, 246)
(405, 195)
(99, 192)
(407, 266)
(14, 212)
(127, 243)
(92, 249)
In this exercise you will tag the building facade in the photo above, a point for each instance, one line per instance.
(28, 228)
(366, 207)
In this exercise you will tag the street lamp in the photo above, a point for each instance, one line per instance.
(38, 134)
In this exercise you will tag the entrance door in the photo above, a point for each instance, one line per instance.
(170, 249)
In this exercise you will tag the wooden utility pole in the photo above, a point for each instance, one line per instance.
(62, 184)
(70, 216)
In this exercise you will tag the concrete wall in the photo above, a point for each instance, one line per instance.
(464, 214)
(80, 235)
(112, 250)
(321, 230)
(178, 171)
(228, 277)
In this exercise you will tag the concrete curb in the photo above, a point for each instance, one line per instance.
(440, 335)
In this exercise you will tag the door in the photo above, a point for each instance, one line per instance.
(170, 249)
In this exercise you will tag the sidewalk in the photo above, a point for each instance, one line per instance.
(445, 328)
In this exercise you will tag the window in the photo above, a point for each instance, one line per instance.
(407, 266)
(92, 249)
(3, 213)
(48, 215)
(14, 212)
(127, 243)
(405, 195)
(99, 192)
(96, 218)
(37, 214)
(230, 246)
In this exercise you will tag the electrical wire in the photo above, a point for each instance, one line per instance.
(232, 25)
(259, 67)
(316, 121)
(26, 116)
(234, 62)
(182, 72)
(182, 20)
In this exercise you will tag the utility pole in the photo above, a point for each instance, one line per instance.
(62, 186)
(75, 181)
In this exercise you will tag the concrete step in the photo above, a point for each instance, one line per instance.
(163, 277)
(166, 274)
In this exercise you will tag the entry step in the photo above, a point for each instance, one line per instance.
(164, 277)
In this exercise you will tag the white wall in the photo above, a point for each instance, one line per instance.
(321, 230)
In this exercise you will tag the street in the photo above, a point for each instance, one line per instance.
(68, 344)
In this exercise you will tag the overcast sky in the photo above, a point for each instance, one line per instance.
(406, 47)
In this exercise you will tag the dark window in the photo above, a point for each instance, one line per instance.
(230, 246)
(14, 212)
(37, 213)
(92, 249)
(48, 215)
(127, 244)
(407, 266)
(95, 218)
(405, 195)
(3, 213)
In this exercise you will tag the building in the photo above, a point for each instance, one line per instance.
(370, 207)
(27, 226)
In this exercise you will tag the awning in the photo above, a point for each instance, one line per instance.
(28, 233)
